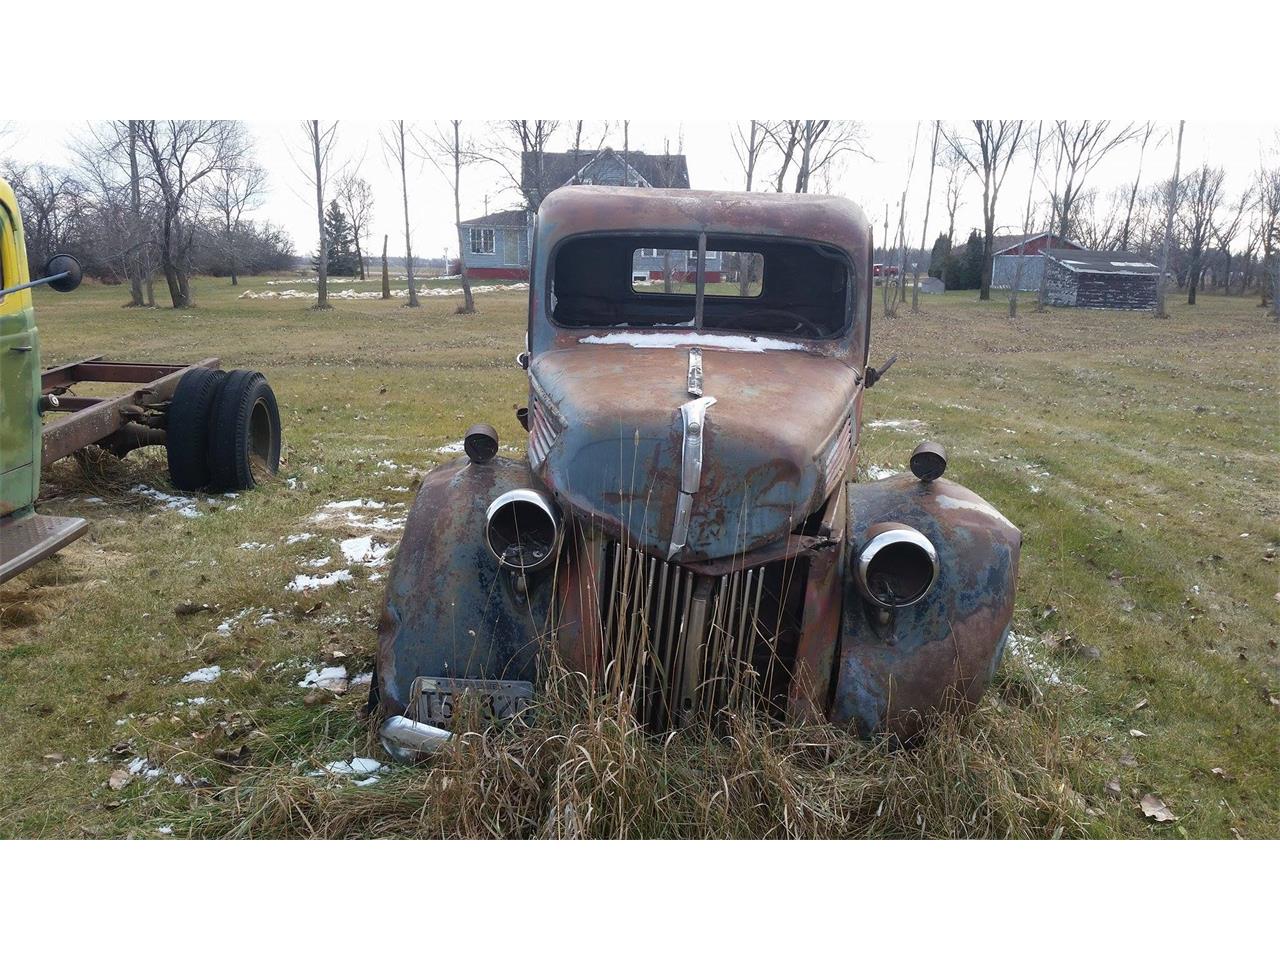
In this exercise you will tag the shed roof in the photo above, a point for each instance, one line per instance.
(1104, 261)
(1009, 242)
(503, 218)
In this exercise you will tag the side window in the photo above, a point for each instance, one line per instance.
(482, 240)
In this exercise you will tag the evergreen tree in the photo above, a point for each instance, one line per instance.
(940, 255)
(342, 255)
(963, 270)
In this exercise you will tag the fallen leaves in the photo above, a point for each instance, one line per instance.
(1136, 734)
(1155, 809)
(119, 779)
(1128, 760)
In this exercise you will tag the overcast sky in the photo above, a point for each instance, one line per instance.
(712, 165)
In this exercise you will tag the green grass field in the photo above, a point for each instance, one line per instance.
(1139, 458)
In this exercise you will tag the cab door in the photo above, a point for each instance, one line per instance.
(19, 370)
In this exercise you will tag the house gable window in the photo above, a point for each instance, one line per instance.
(482, 240)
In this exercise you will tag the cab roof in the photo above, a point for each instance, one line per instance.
(574, 210)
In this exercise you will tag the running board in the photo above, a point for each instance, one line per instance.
(25, 541)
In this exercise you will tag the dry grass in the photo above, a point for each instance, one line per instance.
(1132, 454)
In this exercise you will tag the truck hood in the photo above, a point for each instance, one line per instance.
(615, 459)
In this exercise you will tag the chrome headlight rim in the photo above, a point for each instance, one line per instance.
(883, 537)
(538, 499)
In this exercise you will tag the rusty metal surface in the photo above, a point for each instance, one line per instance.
(449, 610)
(92, 423)
(619, 459)
(945, 648)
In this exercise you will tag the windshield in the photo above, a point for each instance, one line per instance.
(743, 284)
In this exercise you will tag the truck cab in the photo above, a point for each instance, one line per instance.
(25, 536)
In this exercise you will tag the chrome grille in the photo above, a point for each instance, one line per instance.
(683, 646)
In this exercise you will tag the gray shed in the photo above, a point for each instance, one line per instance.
(1100, 279)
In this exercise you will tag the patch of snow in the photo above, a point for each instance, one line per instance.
(902, 426)
(252, 545)
(876, 472)
(354, 505)
(298, 537)
(454, 447)
(1028, 650)
(303, 582)
(185, 506)
(362, 679)
(203, 675)
(326, 678)
(355, 767)
(364, 550)
(367, 781)
(669, 341)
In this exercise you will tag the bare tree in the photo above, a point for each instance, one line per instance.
(1269, 228)
(1226, 232)
(901, 239)
(518, 148)
(813, 145)
(1171, 205)
(1202, 195)
(237, 189)
(393, 144)
(988, 152)
(928, 202)
(1083, 147)
(957, 172)
(1042, 296)
(320, 141)
(1144, 136)
(447, 145)
(182, 154)
(355, 197)
(749, 144)
(1026, 226)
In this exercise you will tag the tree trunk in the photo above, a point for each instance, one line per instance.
(468, 302)
(408, 245)
(322, 259)
(359, 255)
(135, 213)
(1168, 227)
(386, 273)
(1193, 278)
(928, 200)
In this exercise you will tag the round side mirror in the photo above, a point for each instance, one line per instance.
(64, 263)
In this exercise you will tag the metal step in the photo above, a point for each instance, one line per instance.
(27, 540)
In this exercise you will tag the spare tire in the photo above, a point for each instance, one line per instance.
(244, 434)
(187, 429)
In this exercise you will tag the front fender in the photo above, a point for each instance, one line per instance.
(450, 610)
(944, 649)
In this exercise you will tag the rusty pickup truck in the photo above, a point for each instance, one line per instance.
(687, 528)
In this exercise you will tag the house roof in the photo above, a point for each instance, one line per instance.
(558, 169)
(1009, 242)
(1104, 261)
(503, 218)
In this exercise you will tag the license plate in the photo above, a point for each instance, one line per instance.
(437, 698)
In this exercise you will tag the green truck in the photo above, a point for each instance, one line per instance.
(220, 429)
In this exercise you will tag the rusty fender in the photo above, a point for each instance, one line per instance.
(944, 649)
(450, 610)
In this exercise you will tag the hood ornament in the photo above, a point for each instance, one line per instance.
(694, 416)
(695, 371)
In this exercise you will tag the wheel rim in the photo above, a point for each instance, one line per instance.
(263, 452)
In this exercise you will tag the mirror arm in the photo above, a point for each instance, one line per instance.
(34, 283)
